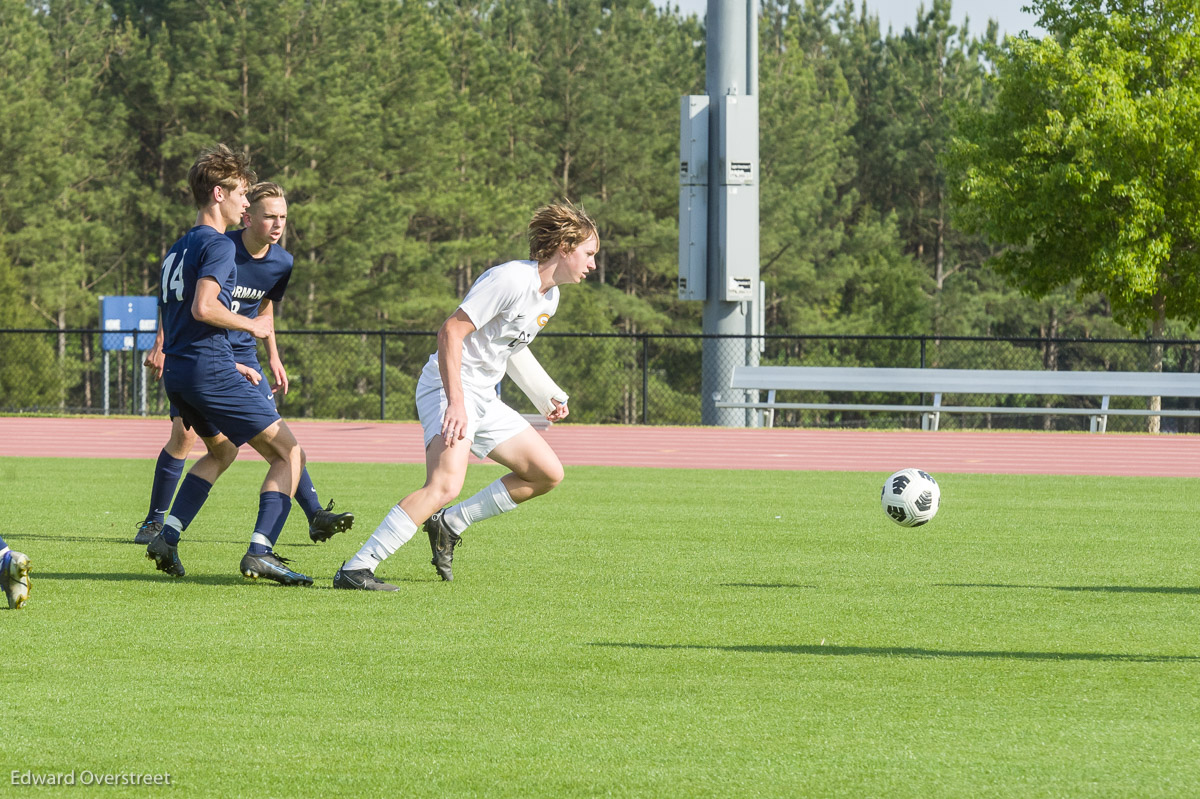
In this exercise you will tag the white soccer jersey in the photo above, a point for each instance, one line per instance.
(508, 309)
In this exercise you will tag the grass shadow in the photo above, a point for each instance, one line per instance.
(1115, 589)
(327, 584)
(912, 652)
(85, 539)
(75, 539)
(120, 577)
(766, 585)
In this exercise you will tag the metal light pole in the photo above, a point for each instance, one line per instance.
(718, 204)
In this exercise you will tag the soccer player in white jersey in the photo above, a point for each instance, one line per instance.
(460, 411)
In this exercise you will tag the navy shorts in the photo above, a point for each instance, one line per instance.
(264, 385)
(212, 397)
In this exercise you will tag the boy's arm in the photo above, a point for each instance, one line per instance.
(450, 342)
(155, 358)
(208, 308)
(267, 308)
(531, 378)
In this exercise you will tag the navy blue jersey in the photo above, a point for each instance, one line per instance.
(201, 252)
(257, 279)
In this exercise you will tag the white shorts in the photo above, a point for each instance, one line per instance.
(489, 421)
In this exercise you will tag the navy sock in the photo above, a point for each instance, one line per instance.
(166, 477)
(306, 495)
(2, 544)
(192, 493)
(273, 509)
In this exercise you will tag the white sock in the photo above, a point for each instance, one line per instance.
(491, 501)
(391, 534)
(4, 551)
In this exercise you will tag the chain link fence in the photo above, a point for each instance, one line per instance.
(613, 378)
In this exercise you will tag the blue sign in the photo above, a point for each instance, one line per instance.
(124, 315)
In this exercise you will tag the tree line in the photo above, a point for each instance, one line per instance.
(415, 138)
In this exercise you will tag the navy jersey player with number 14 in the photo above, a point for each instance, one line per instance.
(263, 271)
(214, 394)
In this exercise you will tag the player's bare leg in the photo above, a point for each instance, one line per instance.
(535, 467)
(182, 439)
(285, 458)
(220, 455)
(536, 470)
(445, 470)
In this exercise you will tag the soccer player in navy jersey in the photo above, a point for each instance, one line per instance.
(263, 271)
(14, 576)
(214, 394)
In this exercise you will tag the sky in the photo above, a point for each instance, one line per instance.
(903, 13)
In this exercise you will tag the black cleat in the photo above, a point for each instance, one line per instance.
(360, 580)
(271, 567)
(442, 540)
(165, 556)
(146, 532)
(14, 578)
(325, 523)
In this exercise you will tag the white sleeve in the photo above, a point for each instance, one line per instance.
(492, 294)
(532, 379)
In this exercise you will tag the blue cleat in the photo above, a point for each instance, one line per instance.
(165, 556)
(270, 566)
(146, 532)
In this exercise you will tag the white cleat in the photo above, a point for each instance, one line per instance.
(14, 578)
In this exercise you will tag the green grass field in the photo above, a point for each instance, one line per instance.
(639, 632)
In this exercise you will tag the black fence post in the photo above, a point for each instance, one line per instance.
(645, 378)
(382, 375)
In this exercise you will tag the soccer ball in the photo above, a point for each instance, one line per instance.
(911, 497)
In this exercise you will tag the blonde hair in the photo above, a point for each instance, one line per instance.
(218, 166)
(263, 191)
(558, 225)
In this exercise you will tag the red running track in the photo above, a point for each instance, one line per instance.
(1164, 455)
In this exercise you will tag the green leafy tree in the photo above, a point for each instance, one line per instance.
(1085, 167)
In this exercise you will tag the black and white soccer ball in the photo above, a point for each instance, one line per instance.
(911, 497)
